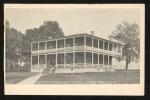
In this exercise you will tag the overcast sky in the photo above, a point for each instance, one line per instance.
(72, 21)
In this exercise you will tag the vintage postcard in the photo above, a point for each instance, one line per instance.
(74, 49)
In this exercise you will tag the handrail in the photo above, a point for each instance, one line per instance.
(52, 69)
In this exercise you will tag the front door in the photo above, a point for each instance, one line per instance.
(51, 60)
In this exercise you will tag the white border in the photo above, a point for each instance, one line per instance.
(85, 89)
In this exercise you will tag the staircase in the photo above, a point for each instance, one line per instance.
(50, 70)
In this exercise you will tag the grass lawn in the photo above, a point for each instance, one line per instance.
(117, 77)
(16, 77)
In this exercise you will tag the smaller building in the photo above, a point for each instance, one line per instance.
(73, 52)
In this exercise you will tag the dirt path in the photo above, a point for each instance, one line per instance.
(31, 80)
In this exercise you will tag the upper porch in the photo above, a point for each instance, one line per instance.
(77, 43)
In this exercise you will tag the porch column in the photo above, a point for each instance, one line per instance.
(64, 59)
(38, 57)
(108, 55)
(84, 51)
(56, 60)
(56, 45)
(64, 53)
(73, 52)
(31, 56)
(45, 60)
(92, 52)
(103, 60)
(108, 61)
(113, 49)
(103, 54)
(98, 54)
(31, 62)
(38, 63)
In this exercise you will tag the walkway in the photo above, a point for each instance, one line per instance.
(31, 80)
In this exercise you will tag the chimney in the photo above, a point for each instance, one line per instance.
(92, 32)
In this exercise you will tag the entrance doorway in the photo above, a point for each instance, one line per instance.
(51, 60)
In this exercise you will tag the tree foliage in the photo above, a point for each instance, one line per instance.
(128, 35)
(20, 44)
(48, 29)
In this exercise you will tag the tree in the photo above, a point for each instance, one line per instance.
(46, 30)
(128, 35)
(14, 40)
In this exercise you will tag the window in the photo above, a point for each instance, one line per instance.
(100, 59)
(60, 58)
(51, 44)
(60, 43)
(95, 43)
(106, 60)
(89, 58)
(42, 59)
(42, 45)
(79, 57)
(110, 46)
(110, 60)
(106, 45)
(95, 58)
(79, 41)
(35, 46)
(69, 58)
(88, 41)
(34, 60)
(69, 42)
(100, 44)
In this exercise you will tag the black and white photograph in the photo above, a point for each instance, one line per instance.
(89, 49)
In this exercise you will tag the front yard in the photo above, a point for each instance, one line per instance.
(16, 77)
(117, 77)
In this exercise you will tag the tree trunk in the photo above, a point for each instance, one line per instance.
(127, 63)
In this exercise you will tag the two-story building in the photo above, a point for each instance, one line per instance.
(74, 51)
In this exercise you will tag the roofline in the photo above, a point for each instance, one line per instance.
(77, 35)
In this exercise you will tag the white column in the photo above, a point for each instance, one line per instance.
(108, 55)
(98, 60)
(56, 45)
(85, 51)
(108, 61)
(64, 53)
(92, 52)
(103, 53)
(103, 60)
(31, 56)
(45, 60)
(113, 49)
(64, 60)
(38, 58)
(73, 60)
(73, 52)
(56, 60)
(31, 62)
(38, 62)
(98, 54)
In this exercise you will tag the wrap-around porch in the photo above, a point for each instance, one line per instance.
(71, 60)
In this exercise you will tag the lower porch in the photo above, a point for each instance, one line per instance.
(75, 60)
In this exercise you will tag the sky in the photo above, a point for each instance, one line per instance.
(72, 21)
